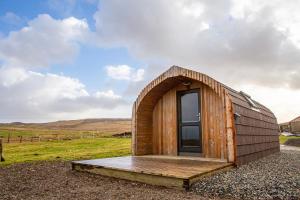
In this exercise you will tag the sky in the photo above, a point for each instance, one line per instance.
(71, 59)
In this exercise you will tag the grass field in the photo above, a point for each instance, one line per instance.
(64, 140)
(283, 138)
(27, 132)
(66, 150)
(103, 145)
(45, 134)
(60, 130)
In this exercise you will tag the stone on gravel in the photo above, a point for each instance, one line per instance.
(56, 180)
(274, 177)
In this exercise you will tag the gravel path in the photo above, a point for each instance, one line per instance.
(290, 148)
(55, 180)
(274, 177)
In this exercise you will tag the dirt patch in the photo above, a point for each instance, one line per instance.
(293, 142)
(56, 180)
(124, 134)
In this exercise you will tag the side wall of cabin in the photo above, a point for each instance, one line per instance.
(257, 133)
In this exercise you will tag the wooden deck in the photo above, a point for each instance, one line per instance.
(169, 171)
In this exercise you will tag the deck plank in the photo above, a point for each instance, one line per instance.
(184, 169)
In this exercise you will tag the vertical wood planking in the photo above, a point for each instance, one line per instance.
(157, 117)
(133, 130)
(205, 121)
(229, 130)
(217, 130)
(224, 123)
(165, 125)
(156, 125)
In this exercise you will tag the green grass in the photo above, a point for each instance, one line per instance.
(283, 138)
(4, 132)
(66, 150)
(15, 133)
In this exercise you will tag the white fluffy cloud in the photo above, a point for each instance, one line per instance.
(11, 18)
(26, 95)
(251, 45)
(285, 14)
(43, 42)
(125, 72)
(237, 42)
(32, 96)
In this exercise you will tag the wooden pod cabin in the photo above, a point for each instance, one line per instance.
(184, 112)
(186, 125)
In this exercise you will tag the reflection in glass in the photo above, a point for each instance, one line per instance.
(189, 107)
(190, 136)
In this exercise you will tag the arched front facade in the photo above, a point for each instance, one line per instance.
(183, 112)
(156, 123)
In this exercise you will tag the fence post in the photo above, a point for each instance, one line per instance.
(8, 138)
(1, 150)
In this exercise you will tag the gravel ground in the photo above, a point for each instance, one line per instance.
(274, 177)
(55, 180)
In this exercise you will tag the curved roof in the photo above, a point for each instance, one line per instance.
(172, 77)
(297, 119)
(175, 75)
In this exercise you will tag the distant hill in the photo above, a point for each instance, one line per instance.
(103, 124)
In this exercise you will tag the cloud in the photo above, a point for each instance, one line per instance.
(28, 95)
(43, 42)
(284, 103)
(32, 96)
(11, 18)
(217, 38)
(251, 45)
(64, 7)
(125, 72)
(240, 43)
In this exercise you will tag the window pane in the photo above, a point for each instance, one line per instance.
(189, 107)
(190, 136)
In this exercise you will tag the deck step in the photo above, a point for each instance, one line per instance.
(167, 171)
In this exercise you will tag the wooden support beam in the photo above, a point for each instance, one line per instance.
(231, 151)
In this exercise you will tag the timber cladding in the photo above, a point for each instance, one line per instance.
(213, 124)
(251, 135)
(256, 132)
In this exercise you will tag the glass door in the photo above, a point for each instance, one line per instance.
(189, 122)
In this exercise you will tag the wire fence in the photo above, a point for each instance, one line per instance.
(10, 138)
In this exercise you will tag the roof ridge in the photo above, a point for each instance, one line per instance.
(296, 119)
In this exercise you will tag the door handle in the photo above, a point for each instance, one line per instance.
(199, 116)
